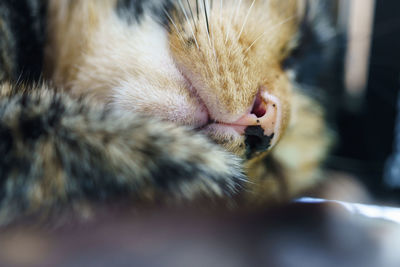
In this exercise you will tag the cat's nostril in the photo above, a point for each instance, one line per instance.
(261, 126)
(259, 108)
(262, 123)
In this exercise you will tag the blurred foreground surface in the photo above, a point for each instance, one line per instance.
(301, 234)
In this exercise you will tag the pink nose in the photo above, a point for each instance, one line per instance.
(262, 123)
(265, 113)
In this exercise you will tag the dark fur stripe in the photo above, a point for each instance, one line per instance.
(22, 36)
(133, 10)
(57, 151)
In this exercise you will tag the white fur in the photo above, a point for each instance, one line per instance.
(143, 75)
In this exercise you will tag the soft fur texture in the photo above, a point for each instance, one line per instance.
(58, 151)
(139, 77)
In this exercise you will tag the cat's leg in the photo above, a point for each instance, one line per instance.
(56, 151)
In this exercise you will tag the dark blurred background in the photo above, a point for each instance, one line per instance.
(350, 61)
(366, 118)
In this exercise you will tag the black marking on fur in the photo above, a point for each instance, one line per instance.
(24, 21)
(10, 163)
(93, 177)
(133, 10)
(317, 60)
(130, 10)
(6, 140)
(56, 110)
(32, 128)
(168, 175)
(256, 141)
(190, 42)
(6, 144)
(47, 135)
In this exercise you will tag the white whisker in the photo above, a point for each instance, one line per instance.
(245, 20)
(173, 23)
(213, 35)
(220, 10)
(237, 9)
(191, 13)
(269, 30)
(206, 21)
(190, 24)
(166, 28)
(197, 9)
(229, 27)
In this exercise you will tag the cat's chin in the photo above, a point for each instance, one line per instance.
(231, 137)
(225, 131)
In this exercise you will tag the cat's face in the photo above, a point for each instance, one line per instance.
(231, 54)
(214, 66)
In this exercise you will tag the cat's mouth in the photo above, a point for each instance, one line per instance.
(260, 127)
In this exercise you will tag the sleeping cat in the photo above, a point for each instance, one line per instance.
(155, 99)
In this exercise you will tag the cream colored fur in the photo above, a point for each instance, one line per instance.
(145, 69)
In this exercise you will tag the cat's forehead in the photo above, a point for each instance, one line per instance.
(232, 11)
(263, 25)
(265, 11)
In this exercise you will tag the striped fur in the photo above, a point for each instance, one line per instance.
(123, 123)
(58, 151)
(22, 36)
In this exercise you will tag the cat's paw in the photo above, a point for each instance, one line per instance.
(192, 166)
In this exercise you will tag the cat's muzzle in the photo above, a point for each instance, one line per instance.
(263, 124)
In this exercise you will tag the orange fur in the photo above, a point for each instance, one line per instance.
(242, 54)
